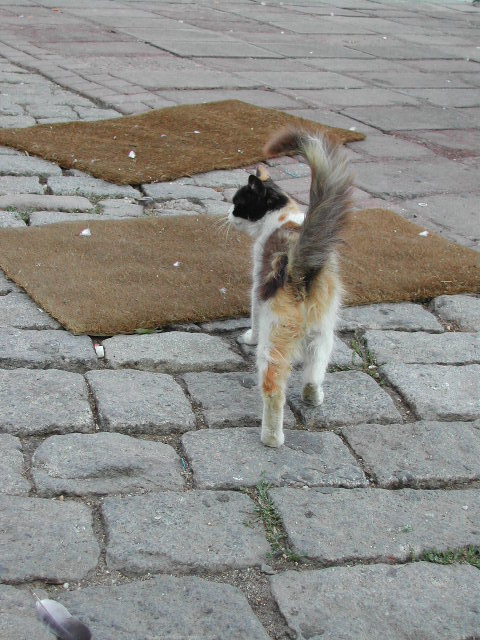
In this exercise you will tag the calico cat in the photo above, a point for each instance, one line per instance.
(296, 290)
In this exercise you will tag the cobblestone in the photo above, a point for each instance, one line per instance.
(17, 616)
(37, 402)
(171, 352)
(9, 219)
(195, 608)
(103, 463)
(418, 455)
(462, 310)
(350, 397)
(20, 185)
(45, 349)
(45, 540)
(376, 524)
(424, 348)
(384, 602)
(403, 316)
(7, 285)
(40, 218)
(12, 479)
(173, 531)
(25, 201)
(140, 402)
(225, 459)
(88, 187)
(178, 190)
(19, 311)
(229, 399)
(27, 166)
(437, 392)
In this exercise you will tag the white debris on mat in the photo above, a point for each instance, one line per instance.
(132, 155)
(424, 234)
(86, 232)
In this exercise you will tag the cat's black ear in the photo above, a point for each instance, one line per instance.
(256, 185)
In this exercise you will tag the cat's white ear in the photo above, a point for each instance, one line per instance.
(262, 173)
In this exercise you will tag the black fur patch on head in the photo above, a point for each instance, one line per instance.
(257, 198)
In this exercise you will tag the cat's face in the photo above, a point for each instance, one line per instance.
(253, 202)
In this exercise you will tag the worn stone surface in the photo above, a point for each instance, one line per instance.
(12, 478)
(166, 607)
(462, 310)
(25, 201)
(6, 285)
(175, 190)
(230, 399)
(18, 310)
(140, 402)
(225, 179)
(417, 600)
(45, 540)
(419, 454)
(223, 326)
(376, 524)
(228, 459)
(351, 397)
(45, 349)
(40, 218)
(18, 617)
(27, 166)
(88, 187)
(37, 402)
(437, 392)
(102, 463)
(171, 352)
(20, 184)
(419, 347)
(121, 207)
(403, 316)
(9, 219)
(183, 531)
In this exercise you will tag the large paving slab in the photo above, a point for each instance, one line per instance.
(403, 316)
(38, 402)
(19, 311)
(343, 525)
(45, 349)
(18, 617)
(171, 352)
(140, 402)
(229, 459)
(25, 201)
(12, 478)
(420, 454)
(415, 178)
(230, 399)
(351, 397)
(437, 392)
(27, 166)
(416, 600)
(171, 531)
(187, 608)
(175, 190)
(423, 348)
(89, 187)
(45, 540)
(398, 118)
(103, 463)
(463, 310)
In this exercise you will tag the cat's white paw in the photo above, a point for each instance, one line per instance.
(248, 338)
(312, 394)
(272, 440)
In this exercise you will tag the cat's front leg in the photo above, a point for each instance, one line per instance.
(251, 336)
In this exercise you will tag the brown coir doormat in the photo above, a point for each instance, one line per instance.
(149, 273)
(168, 143)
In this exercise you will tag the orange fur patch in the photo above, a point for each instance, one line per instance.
(283, 217)
(291, 226)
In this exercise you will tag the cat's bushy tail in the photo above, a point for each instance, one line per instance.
(330, 194)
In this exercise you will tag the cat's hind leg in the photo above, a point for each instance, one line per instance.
(278, 341)
(318, 345)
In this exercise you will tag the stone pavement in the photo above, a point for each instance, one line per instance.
(134, 488)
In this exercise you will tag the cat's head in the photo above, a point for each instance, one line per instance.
(253, 202)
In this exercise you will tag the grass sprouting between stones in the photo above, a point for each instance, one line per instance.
(464, 555)
(359, 346)
(266, 511)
